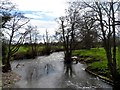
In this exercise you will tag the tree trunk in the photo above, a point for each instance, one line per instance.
(7, 66)
(115, 73)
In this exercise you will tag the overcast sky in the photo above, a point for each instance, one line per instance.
(42, 12)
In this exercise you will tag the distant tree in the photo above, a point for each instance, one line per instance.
(32, 39)
(88, 30)
(47, 43)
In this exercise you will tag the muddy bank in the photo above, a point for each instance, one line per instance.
(9, 79)
(87, 60)
(105, 79)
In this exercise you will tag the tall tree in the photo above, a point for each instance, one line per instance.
(68, 29)
(12, 29)
(6, 7)
(107, 10)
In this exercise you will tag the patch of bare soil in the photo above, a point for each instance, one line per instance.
(9, 79)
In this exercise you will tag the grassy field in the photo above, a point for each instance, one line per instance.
(25, 49)
(96, 60)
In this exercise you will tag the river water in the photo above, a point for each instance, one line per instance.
(49, 72)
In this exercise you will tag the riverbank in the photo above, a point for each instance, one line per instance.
(25, 52)
(107, 80)
(9, 79)
(96, 61)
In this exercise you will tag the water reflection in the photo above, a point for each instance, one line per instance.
(47, 72)
(48, 68)
(32, 73)
(69, 70)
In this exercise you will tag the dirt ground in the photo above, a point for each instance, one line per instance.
(9, 79)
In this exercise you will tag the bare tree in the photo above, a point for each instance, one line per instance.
(68, 30)
(47, 45)
(12, 29)
(6, 8)
(71, 25)
(32, 39)
(108, 32)
(88, 30)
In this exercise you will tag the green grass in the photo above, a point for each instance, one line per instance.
(118, 57)
(100, 66)
(23, 49)
(98, 53)
(39, 48)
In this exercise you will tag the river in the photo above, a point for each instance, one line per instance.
(49, 72)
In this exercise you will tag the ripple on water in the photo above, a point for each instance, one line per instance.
(55, 68)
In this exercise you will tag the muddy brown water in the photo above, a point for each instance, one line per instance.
(49, 72)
